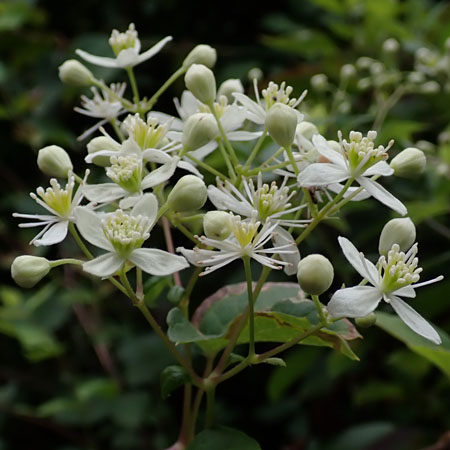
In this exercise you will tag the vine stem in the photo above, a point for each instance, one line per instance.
(206, 166)
(227, 160)
(210, 401)
(387, 106)
(163, 88)
(255, 150)
(251, 313)
(170, 246)
(134, 86)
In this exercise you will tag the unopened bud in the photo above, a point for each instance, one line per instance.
(397, 231)
(201, 54)
(201, 82)
(366, 321)
(189, 194)
(255, 73)
(217, 225)
(73, 73)
(348, 71)
(199, 129)
(319, 82)
(307, 129)
(98, 144)
(315, 274)
(229, 87)
(409, 163)
(391, 45)
(54, 161)
(430, 87)
(27, 270)
(281, 122)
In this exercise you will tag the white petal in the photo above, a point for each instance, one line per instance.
(233, 118)
(337, 187)
(243, 135)
(255, 112)
(154, 50)
(282, 237)
(382, 195)
(146, 206)
(56, 233)
(90, 157)
(127, 58)
(157, 262)
(189, 105)
(160, 174)
(225, 201)
(97, 60)
(407, 291)
(91, 228)
(104, 266)
(103, 193)
(195, 257)
(325, 150)
(157, 156)
(380, 168)
(366, 269)
(190, 168)
(129, 201)
(424, 283)
(204, 151)
(357, 301)
(320, 174)
(414, 320)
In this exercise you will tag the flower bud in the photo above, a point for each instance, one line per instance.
(201, 82)
(307, 129)
(409, 163)
(229, 87)
(397, 231)
(430, 87)
(73, 73)
(315, 274)
(102, 143)
(201, 54)
(189, 194)
(28, 270)
(391, 45)
(366, 321)
(54, 161)
(319, 82)
(199, 129)
(281, 122)
(255, 73)
(348, 71)
(217, 225)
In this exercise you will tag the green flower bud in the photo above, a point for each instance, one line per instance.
(397, 231)
(319, 82)
(28, 270)
(348, 71)
(199, 129)
(315, 274)
(255, 73)
(201, 82)
(409, 163)
(228, 87)
(391, 45)
(217, 225)
(189, 194)
(307, 129)
(281, 122)
(367, 321)
(201, 54)
(73, 73)
(54, 161)
(102, 143)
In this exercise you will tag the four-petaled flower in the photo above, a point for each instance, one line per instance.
(391, 278)
(122, 236)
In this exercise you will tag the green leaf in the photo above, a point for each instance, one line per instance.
(172, 377)
(439, 355)
(175, 294)
(223, 438)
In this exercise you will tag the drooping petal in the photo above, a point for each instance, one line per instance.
(382, 195)
(157, 262)
(104, 266)
(146, 206)
(103, 193)
(152, 51)
(160, 174)
(190, 168)
(321, 174)
(325, 150)
(280, 238)
(380, 168)
(127, 58)
(97, 60)
(91, 228)
(233, 118)
(155, 155)
(204, 151)
(255, 112)
(357, 301)
(226, 201)
(362, 265)
(55, 234)
(414, 320)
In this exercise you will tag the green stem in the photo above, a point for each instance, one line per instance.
(231, 172)
(134, 86)
(269, 168)
(184, 436)
(319, 308)
(292, 160)
(207, 167)
(60, 262)
(255, 150)
(163, 88)
(116, 129)
(210, 401)
(251, 313)
(139, 284)
(184, 302)
(387, 106)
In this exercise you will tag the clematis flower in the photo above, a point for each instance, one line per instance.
(60, 203)
(391, 278)
(244, 240)
(358, 160)
(126, 46)
(122, 236)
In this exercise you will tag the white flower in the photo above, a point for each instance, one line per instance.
(127, 172)
(358, 160)
(256, 110)
(126, 46)
(122, 236)
(60, 203)
(244, 240)
(102, 105)
(391, 279)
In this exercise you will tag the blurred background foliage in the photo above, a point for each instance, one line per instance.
(78, 367)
